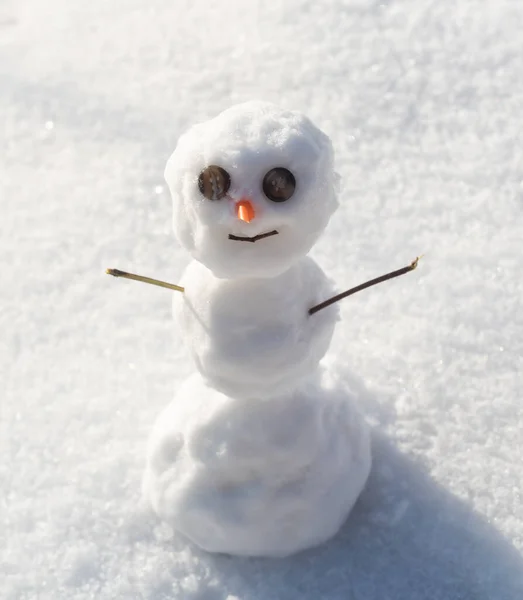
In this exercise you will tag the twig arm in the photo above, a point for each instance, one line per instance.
(125, 275)
(365, 285)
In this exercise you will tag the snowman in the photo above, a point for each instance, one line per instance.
(261, 453)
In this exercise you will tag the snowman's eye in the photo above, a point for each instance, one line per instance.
(279, 184)
(214, 182)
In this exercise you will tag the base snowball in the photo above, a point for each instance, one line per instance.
(258, 478)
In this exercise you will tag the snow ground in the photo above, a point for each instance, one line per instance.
(423, 101)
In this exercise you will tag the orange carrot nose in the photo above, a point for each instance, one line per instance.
(245, 211)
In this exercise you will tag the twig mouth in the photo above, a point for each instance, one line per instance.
(254, 238)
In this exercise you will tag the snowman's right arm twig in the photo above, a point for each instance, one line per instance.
(365, 285)
(125, 275)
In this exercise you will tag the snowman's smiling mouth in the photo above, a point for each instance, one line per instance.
(254, 238)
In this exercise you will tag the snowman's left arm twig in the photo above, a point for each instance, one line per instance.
(125, 275)
(365, 285)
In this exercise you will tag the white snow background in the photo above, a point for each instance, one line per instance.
(424, 103)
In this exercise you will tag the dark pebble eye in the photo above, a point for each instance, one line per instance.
(279, 184)
(214, 182)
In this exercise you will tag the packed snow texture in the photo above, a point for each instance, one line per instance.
(255, 456)
(248, 140)
(422, 101)
(261, 478)
(254, 338)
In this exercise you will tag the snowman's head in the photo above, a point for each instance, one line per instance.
(252, 188)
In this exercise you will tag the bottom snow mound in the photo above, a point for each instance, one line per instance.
(257, 477)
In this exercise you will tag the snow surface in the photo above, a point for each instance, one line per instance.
(423, 103)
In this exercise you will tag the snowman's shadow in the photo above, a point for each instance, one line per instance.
(407, 538)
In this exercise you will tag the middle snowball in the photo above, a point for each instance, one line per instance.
(254, 337)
